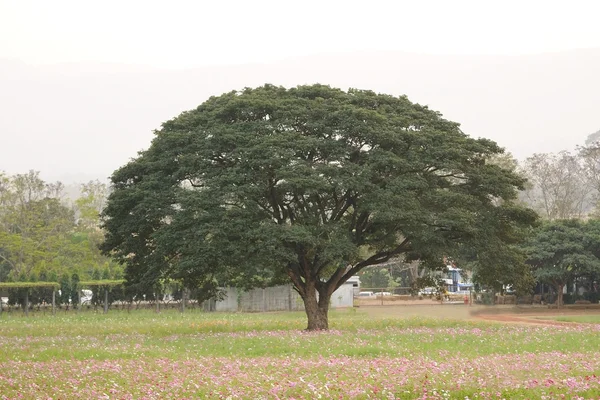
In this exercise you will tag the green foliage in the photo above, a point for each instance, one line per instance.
(585, 319)
(377, 277)
(42, 237)
(561, 251)
(309, 184)
(428, 281)
(101, 282)
(18, 285)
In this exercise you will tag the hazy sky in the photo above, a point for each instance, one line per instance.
(82, 121)
(182, 34)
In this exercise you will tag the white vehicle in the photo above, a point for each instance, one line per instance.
(427, 291)
(366, 294)
(4, 300)
(86, 296)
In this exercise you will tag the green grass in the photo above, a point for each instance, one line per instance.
(268, 355)
(584, 319)
(171, 322)
(172, 335)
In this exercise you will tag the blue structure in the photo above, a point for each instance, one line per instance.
(456, 282)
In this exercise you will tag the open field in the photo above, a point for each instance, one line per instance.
(387, 352)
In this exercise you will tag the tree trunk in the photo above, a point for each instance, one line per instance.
(27, 302)
(559, 298)
(316, 310)
(183, 301)
(105, 300)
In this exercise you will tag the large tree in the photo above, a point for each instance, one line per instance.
(310, 184)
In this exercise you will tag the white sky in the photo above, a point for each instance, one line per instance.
(183, 34)
(55, 121)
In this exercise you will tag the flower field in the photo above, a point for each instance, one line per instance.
(267, 356)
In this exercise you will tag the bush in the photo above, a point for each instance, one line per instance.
(592, 297)
(527, 299)
(506, 299)
(569, 298)
(573, 298)
(549, 298)
(487, 298)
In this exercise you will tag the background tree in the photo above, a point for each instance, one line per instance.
(270, 184)
(499, 267)
(502, 264)
(378, 277)
(42, 235)
(504, 160)
(560, 251)
(593, 138)
(590, 156)
(34, 224)
(90, 204)
(559, 185)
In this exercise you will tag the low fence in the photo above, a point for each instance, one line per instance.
(46, 308)
(277, 298)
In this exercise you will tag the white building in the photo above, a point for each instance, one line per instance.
(277, 298)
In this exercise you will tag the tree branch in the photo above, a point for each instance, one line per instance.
(374, 260)
(321, 208)
(274, 202)
(342, 207)
(8, 261)
(295, 276)
(265, 209)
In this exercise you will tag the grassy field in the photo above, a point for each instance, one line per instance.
(143, 355)
(582, 319)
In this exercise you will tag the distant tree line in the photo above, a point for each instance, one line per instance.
(45, 236)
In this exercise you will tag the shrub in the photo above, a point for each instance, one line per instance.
(528, 299)
(592, 297)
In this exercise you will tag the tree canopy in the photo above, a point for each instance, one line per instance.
(309, 185)
(561, 251)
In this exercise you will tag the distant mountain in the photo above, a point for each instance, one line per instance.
(84, 120)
